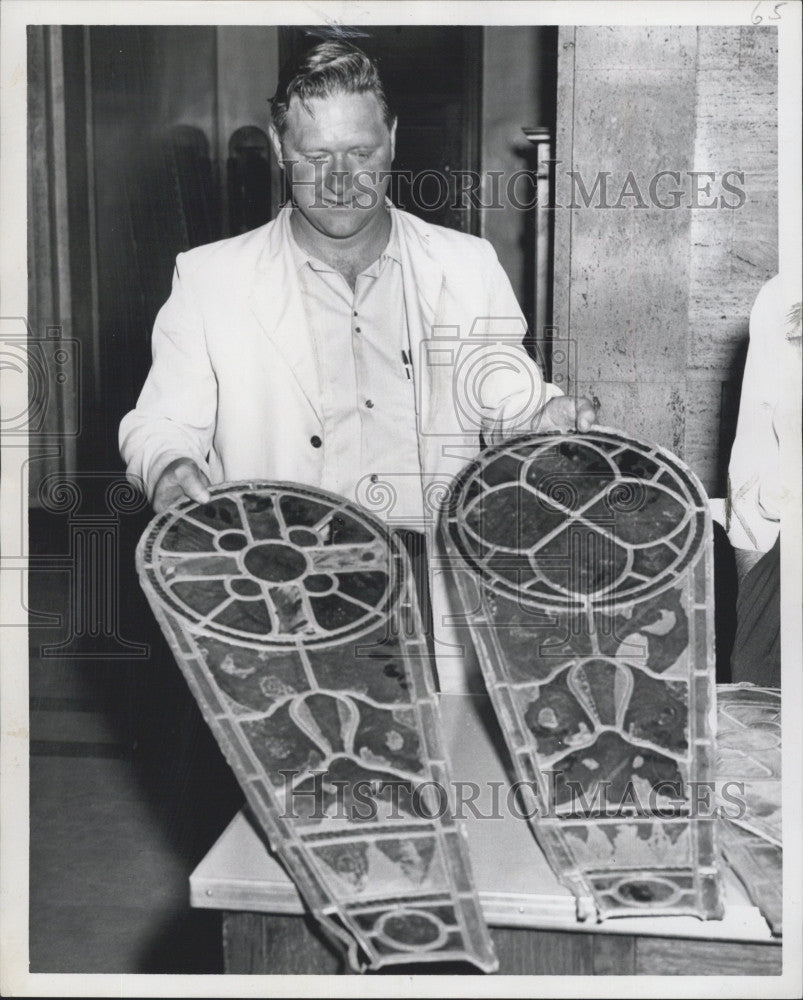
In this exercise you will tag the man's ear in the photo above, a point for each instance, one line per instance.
(276, 142)
(393, 139)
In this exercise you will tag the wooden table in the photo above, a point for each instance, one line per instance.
(532, 917)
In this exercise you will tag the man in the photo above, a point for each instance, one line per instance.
(346, 345)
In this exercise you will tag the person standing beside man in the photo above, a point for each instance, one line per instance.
(757, 481)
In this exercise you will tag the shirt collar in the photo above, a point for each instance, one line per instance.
(393, 249)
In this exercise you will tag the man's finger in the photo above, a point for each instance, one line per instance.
(192, 482)
(586, 415)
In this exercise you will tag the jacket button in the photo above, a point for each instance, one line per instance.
(315, 441)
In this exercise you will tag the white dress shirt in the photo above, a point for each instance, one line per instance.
(362, 351)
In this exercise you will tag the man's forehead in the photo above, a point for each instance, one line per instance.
(337, 110)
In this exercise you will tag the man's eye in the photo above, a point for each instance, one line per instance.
(315, 159)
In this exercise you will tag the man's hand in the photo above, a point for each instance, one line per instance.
(180, 479)
(564, 413)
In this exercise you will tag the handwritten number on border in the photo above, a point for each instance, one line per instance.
(774, 16)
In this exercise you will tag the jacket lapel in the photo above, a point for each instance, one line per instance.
(275, 300)
(423, 279)
(433, 363)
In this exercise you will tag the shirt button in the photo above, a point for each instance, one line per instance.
(374, 477)
(358, 329)
(369, 403)
(315, 441)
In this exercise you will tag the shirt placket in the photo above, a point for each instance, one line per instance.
(366, 396)
(335, 345)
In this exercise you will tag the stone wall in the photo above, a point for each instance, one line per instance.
(657, 298)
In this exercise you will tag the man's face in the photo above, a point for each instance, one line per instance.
(337, 157)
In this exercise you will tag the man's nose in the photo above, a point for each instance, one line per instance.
(337, 178)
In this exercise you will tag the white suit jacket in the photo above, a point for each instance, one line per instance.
(234, 383)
